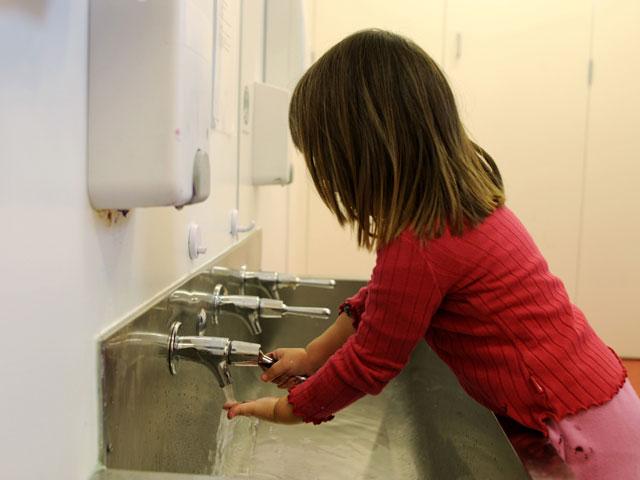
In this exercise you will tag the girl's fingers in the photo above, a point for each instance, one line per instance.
(282, 381)
(278, 369)
(288, 384)
(244, 409)
(263, 408)
(275, 354)
(233, 409)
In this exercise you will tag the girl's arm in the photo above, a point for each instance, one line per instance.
(322, 347)
(305, 361)
(294, 361)
(403, 295)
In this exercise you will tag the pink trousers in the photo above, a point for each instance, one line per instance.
(602, 443)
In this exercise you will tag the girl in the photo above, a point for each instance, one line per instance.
(378, 127)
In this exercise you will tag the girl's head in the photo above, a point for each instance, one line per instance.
(378, 127)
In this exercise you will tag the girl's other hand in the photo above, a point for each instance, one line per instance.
(271, 409)
(290, 362)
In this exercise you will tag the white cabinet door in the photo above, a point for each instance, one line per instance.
(520, 74)
(609, 278)
(332, 251)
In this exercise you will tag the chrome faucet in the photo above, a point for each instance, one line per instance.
(273, 281)
(217, 354)
(251, 308)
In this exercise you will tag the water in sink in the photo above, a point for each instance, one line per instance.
(355, 445)
(235, 443)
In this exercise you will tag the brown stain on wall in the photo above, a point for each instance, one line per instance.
(113, 217)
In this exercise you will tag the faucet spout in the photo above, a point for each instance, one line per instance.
(212, 352)
(216, 353)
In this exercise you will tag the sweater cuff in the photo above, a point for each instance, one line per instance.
(354, 306)
(303, 411)
(318, 398)
(351, 312)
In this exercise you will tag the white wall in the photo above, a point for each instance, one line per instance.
(66, 273)
(609, 274)
(520, 78)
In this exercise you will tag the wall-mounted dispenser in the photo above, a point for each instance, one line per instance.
(265, 105)
(150, 91)
(269, 130)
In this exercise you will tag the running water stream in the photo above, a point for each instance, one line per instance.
(229, 393)
(224, 435)
(247, 448)
(235, 445)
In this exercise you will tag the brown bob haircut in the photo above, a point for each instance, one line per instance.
(381, 136)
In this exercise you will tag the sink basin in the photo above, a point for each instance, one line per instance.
(422, 426)
(113, 474)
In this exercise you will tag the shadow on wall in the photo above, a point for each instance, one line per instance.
(35, 8)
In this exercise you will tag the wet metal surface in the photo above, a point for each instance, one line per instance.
(153, 420)
(113, 474)
(421, 426)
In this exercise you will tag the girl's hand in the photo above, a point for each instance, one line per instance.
(271, 409)
(290, 362)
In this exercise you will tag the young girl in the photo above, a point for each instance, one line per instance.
(378, 127)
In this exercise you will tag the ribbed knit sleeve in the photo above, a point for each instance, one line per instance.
(399, 303)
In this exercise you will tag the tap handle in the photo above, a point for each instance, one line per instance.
(272, 308)
(285, 280)
(242, 301)
(313, 312)
(275, 278)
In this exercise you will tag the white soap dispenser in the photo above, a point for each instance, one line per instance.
(269, 132)
(150, 88)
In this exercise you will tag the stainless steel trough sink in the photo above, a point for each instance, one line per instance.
(422, 426)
